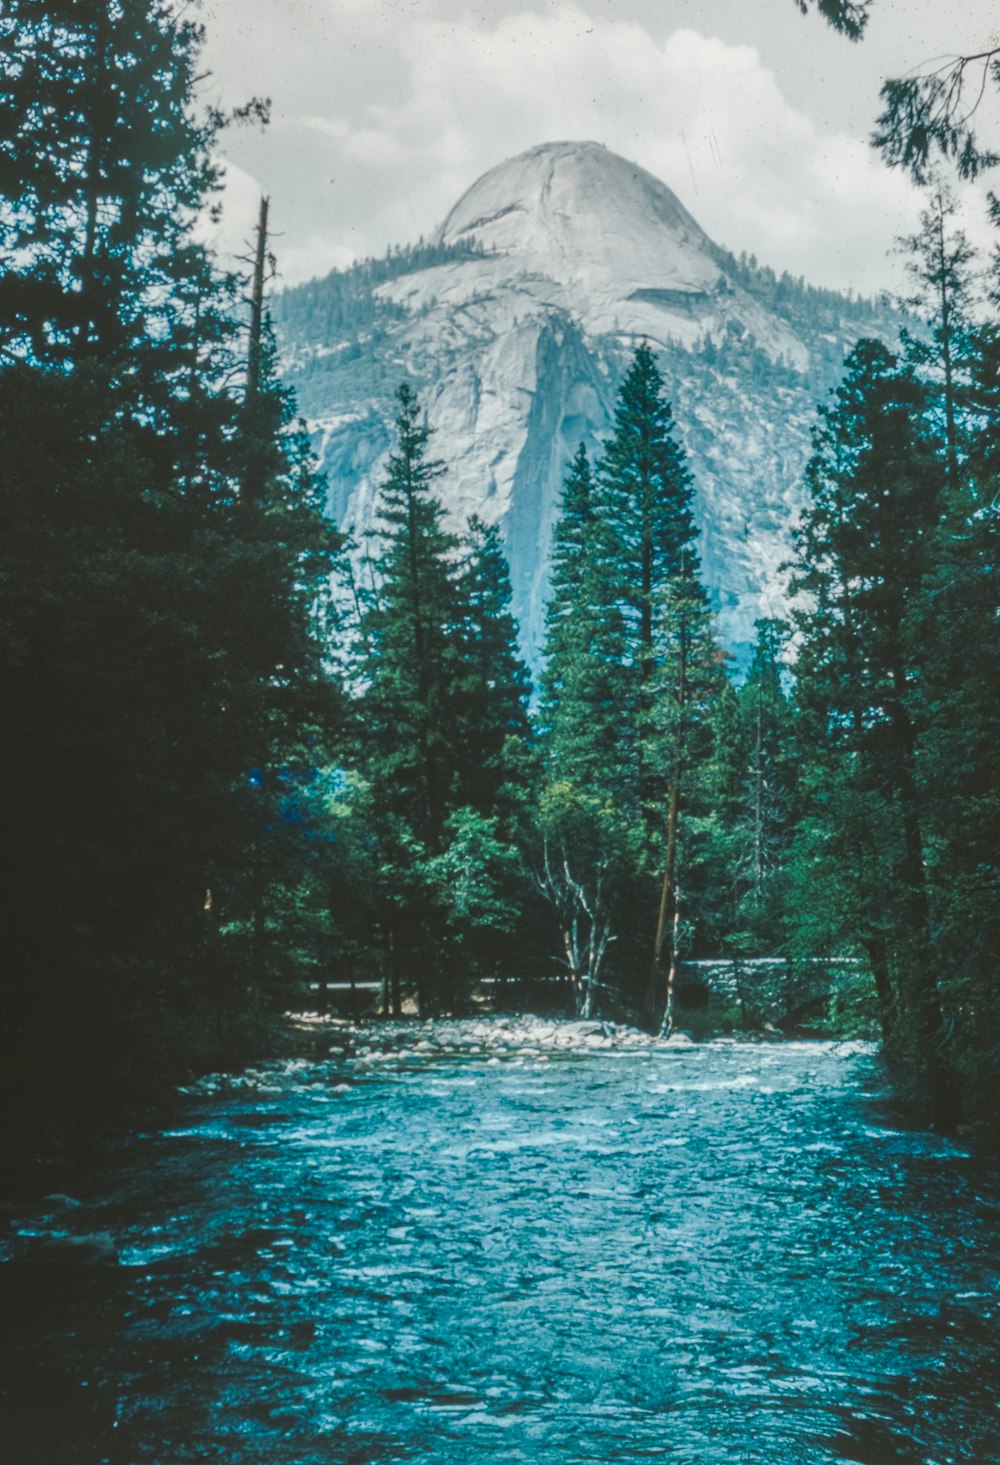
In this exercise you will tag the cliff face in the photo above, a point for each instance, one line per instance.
(515, 323)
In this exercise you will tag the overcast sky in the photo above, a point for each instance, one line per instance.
(385, 111)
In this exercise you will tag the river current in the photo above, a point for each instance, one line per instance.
(722, 1252)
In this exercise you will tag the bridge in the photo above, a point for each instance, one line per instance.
(350, 998)
(785, 992)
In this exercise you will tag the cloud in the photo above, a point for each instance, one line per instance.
(232, 233)
(385, 111)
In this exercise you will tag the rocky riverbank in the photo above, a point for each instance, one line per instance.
(351, 1048)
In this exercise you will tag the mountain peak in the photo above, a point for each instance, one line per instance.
(565, 185)
(517, 340)
(582, 206)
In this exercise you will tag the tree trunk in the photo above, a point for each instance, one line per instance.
(878, 960)
(951, 432)
(395, 983)
(253, 474)
(656, 997)
(918, 945)
(255, 349)
(667, 1023)
(666, 921)
(258, 929)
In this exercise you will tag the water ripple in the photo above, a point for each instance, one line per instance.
(702, 1254)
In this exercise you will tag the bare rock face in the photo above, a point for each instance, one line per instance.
(516, 322)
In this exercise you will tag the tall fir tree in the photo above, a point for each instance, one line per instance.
(939, 260)
(877, 485)
(445, 732)
(412, 637)
(645, 503)
(272, 598)
(495, 685)
(164, 625)
(584, 681)
(768, 804)
(689, 685)
(495, 773)
(107, 169)
(587, 804)
(959, 696)
(628, 641)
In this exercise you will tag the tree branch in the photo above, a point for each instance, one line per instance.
(932, 113)
(849, 17)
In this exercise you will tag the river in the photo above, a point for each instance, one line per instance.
(696, 1253)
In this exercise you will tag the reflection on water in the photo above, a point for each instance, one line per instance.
(714, 1253)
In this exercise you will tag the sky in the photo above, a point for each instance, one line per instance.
(385, 111)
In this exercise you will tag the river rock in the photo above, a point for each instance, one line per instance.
(95, 1249)
(60, 1202)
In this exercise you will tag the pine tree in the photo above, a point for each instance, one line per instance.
(768, 794)
(281, 703)
(445, 727)
(938, 265)
(584, 681)
(173, 629)
(482, 869)
(409, 635)
(689, 684)
(107, 168)
(628, 646)
(876, 481)
(645, 504)
(959, 700)
(495, 685)
(587, 802)
(412, 635)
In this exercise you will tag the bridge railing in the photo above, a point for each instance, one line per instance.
(767, 988)
(773, 988)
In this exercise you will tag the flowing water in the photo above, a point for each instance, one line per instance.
(723, 1252)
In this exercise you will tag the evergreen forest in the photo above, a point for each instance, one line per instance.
(245, 759)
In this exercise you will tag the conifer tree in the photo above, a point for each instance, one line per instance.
(584, 681)
(959, 701)
(587, 801)
(768, 794)
(877, 483)
(645, 504)
(107, 168)
(629, 658)
(645, 501)
(482, 867)
(689, 683)
(939, 259)
(412, 637)
(495, 685)
(445, 731)
(274, 610)
(172, 628)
